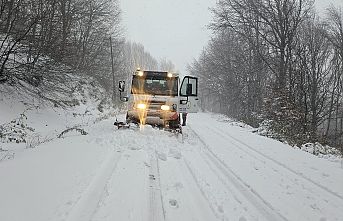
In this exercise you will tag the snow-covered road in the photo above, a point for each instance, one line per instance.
(217, 171)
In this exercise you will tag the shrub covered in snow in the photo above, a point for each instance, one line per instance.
(319, 149)
(16, 131)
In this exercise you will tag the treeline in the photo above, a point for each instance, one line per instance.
(45, 42)
(75, 33)
(136, 56)
(276, 63)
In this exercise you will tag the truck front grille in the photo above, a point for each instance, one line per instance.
(156, 105)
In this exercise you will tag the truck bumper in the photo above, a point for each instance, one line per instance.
(160, 118)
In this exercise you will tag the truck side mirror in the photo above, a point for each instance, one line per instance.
(121, 86)
(121, 90)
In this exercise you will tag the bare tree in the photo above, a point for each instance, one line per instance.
(334, 23)
(275, 22)
(275, 60)
(49, 41)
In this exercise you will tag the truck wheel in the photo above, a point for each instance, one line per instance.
(174, 124)
(130, 120)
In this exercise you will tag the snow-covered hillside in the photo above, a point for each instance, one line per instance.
(215, 171)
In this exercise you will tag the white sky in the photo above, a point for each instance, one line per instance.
(321, 5)
(174, 29)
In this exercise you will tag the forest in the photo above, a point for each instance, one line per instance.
(44, 45)
(276, 64)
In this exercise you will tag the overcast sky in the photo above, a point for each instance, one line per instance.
(174, 29)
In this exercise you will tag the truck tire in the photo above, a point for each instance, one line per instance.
(174, 124)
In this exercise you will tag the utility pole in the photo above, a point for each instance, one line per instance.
(113, 78)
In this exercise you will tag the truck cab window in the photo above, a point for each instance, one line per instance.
(156, 85)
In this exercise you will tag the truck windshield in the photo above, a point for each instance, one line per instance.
(155, 85)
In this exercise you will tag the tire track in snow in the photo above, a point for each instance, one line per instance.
(156, 207)
(157, 211)
(301, 175)
(265, 208)
(192, 173)
(156, 145)
(87, 204)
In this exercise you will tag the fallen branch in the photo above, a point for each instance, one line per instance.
(80, 130)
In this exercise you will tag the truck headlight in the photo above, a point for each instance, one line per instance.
(141, 106)
(165, 107)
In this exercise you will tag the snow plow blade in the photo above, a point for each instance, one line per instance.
(121, 125)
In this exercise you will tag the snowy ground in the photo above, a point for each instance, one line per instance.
(216, 171)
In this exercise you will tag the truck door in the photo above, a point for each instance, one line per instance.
(189, 95)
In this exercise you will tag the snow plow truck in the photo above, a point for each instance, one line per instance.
(158, 98)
